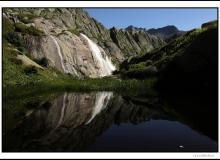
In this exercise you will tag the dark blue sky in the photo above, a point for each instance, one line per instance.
(184, 19)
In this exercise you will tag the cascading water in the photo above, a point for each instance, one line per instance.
(101, 102)
(59, 53)
(104, 63)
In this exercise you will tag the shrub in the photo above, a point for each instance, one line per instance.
(13, 52)
(21, 49)
(29, 70)
(34, 31)
(16, 61)
(211, 24)
(99, 38)
(75, 31)
(26, 18)
(15, 39)
(143, 51)
(43, 62)
(7, 27)
(19, 27)
(140, 65)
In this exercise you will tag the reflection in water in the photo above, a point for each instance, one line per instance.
(102, 121)
(62, 111)
(102, 99)
(73, 109)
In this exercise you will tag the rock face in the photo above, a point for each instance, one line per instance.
(134, 42)
(64, 37)
(133, 28)
(27, 61)
(167, 33)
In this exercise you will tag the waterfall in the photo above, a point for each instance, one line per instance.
(101, 102)
(59, 53)
(104, 63)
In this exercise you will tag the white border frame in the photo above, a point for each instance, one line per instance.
(97, 4)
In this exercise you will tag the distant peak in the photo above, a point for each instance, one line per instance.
(167, 33)
(171, 27)
(133, 28)
(168, 27)
(130, 27)
(114, 28)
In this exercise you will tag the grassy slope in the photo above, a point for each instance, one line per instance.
(16, 75)
(140, 66)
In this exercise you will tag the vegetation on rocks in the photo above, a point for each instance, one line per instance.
(26, 18)
(75, 31)
(17, 76)
(19, 27)
(158, 58)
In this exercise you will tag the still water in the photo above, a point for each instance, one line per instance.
(103, 122)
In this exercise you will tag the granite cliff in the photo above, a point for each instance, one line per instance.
(71, 41)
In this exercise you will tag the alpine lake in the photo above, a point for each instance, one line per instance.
(105, 121)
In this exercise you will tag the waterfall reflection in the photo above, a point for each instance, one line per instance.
(102, 121)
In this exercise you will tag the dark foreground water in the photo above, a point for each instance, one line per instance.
(107, 122)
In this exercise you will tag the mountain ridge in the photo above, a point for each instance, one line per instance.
(182, 50)
(167, 33)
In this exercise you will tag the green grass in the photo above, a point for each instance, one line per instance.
(70, 84)
(7, 27)
(75, 31)
(211, 24)
(12, 33)
(140, 64)
(26, 18)
(17, 76)
(19, 27)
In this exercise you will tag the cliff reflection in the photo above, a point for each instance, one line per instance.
(73, 122)
(72, 110)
